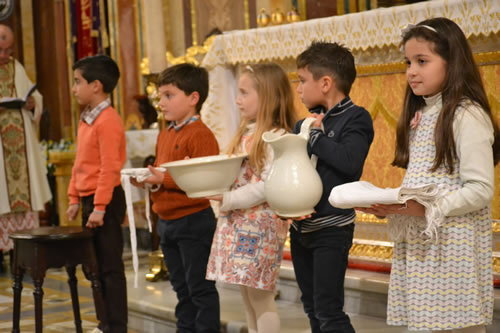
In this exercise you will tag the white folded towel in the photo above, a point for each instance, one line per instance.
(365, 194)
(140, 174)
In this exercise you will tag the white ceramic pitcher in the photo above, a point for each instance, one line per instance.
(293, 186)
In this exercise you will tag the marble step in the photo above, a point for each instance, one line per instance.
(151, 306)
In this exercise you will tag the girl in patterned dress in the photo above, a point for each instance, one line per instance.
(248, 243)
(441, 277)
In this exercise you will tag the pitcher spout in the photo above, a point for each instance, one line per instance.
(271, 136)
(281, 142)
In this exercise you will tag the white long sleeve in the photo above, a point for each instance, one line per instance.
(248, 195)
(473, 134)
(23, 84)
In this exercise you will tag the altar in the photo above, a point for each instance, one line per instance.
(374, 38)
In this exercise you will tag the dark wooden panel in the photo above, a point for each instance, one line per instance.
(188, 30)
(51, 64)
(129, 62)
(320, 8)
(252, 12)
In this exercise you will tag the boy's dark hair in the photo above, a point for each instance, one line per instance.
(99, 68)
(332, 59)
(188, 78)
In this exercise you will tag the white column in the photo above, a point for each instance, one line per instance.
(156, 46)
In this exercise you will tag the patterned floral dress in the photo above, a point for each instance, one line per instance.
(248, 244)
(444, 284)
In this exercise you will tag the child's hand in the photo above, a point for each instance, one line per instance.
(410, 208)
(134, 182)
(319, 119)
(290, 220)
(156, 178)
(30, 104)
(72, 211)
(215, 198)
(96, 219)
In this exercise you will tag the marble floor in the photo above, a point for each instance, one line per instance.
(151, 305)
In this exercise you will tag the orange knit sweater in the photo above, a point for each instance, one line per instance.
(100, 155)
(193, 140)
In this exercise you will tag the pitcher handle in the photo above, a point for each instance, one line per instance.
(305, 129)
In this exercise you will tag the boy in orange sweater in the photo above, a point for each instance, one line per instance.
(95, 180)
(186, 226)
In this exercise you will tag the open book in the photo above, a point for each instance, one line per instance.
(16, 102)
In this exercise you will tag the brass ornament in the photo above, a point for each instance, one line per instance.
(277, 17)
(263, 18)
(292, 16)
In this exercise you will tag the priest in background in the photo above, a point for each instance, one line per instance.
(24, 188)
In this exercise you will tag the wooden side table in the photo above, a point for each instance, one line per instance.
(52, 247)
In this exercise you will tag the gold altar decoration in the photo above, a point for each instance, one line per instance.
(63, 162)
(292, 16)
(263, 18)
(193, 55)
(157, 267)
(277, 17)
(374, 38)
(360, 31)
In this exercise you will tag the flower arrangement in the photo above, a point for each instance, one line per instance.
(55, 148)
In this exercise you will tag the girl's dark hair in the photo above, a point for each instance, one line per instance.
(462, 83)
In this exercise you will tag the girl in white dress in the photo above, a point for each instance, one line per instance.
(441, 277)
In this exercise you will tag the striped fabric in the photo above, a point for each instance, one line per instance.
(446, 284)
(310, 225)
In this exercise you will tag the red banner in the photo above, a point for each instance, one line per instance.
(85, 45)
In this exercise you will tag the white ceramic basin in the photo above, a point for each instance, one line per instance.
(205, 176)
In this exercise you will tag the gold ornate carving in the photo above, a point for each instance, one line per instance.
(144, 66)
(398, 67)
(193, 23)
(157, 267)
(496, 262)
(378, 251)
(138, 32)
(193, 54)
(373, 250)
(496, 226)
(246, 14)
(485, 58)
(369, 218)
